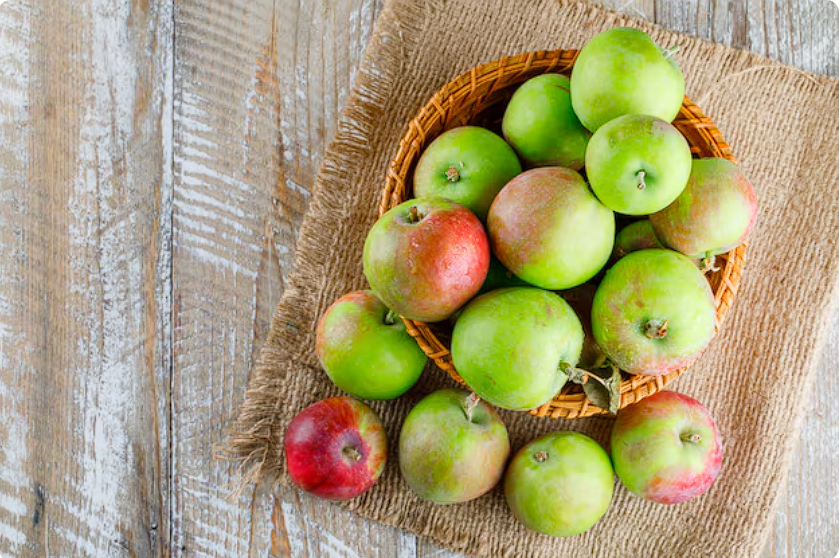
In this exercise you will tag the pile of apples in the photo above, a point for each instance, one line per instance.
(540, 291)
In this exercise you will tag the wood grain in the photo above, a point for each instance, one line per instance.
(82, 354)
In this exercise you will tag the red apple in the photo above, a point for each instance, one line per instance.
(666, 448)
(336, 448)
(426, 258)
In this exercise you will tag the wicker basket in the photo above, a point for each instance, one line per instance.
(479, 97)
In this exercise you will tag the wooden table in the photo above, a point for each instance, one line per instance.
(156, 159)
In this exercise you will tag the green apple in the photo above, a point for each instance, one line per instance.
(560, 484)
(499, 277)
(714, 214)
(365, 348)
(548, 228)
(666, 448)
(512, 346)
(542, 127)
(453, 447)
(622, 71)
(637, 164)
(468, 165)
(638, 235)
(653, 312)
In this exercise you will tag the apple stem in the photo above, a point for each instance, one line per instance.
(541, 456)
(470, 403)
(390, 318)
(641, 176)
(690, 438)
(351, 453)
(656, 329)
(708, 263)
(413, 214)
(452, 174)
(671, 51)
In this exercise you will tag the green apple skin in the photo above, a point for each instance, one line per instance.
(637, 164)
(666, 448)
(499, 277)
(542, 127)
(427, 257)
(468, 165)
(713, 215)
(560, 484)
(365, 349)
(653, 312)
(548, 228)
(508, 346)
(449, 454)
(622, 71)
(635, 236)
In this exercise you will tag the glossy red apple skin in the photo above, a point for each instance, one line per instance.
(426, 257)
(336, 448)
(666, 448)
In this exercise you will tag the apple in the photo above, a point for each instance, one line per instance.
(580, 299)
(622, 71)
(499, 277)
(336, 448)
(426, 258)
(638, 235)
(453, 447)
(637, 164)
(542, 127)
(714, 214)
(512, 346)
(548, 228)
(560, 484)
(653, 312)
(365, 348)
(468, 165)
(666, 448)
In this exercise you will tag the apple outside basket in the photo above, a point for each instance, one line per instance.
(479, 97)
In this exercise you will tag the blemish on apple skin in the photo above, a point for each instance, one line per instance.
(548, 310)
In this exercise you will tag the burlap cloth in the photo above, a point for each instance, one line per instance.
(757, 376)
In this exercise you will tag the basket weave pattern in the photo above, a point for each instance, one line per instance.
(472, 98)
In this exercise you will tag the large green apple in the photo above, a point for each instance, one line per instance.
(427, 257)
(512, 346)
(560, 484)
(548, 228)
(542, 127)
(468, 165)
(637, 164)
(653, 312)
(453, 447)
(666, 448)
(622, 71)
(365, 348)
(714, 214)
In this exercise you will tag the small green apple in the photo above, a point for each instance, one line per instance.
(542, 127)
(622, 71)
(468, 165)
(637, 164)
(636, 236)
(365, 348)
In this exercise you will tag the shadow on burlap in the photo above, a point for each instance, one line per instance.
(755, 378)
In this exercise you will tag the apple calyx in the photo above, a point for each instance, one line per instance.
(452, 174)
(390, 317)
(470, 403)
(656, 329)
(692, 438)
(541, 456)
(351, 453)
(641, 176)
(414, 215)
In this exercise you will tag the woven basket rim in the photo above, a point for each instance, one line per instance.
(458, 103)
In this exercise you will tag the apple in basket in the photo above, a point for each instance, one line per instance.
(426, 257)
(453, 447)
(666, 448)
(636, 236)
(336, 448)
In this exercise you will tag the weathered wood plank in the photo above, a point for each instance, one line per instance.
(83, 349)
